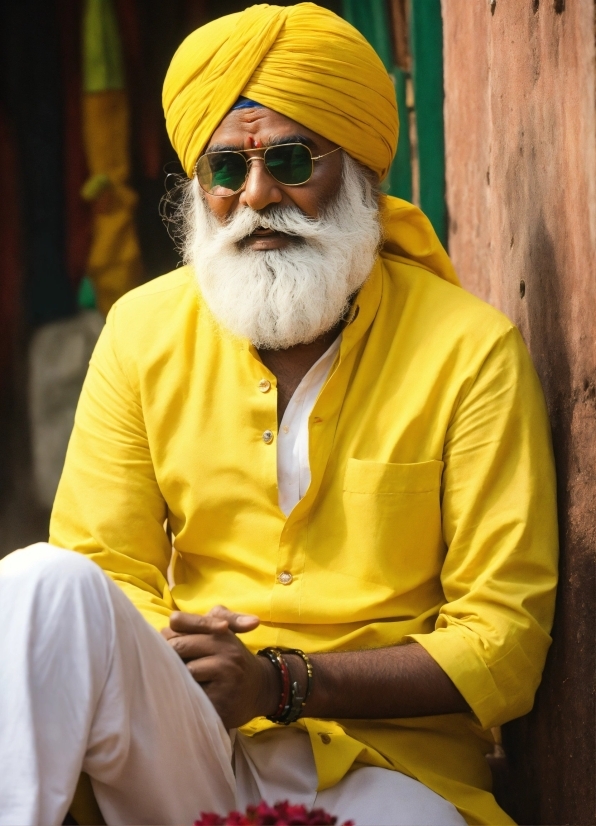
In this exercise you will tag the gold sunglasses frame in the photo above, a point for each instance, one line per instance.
(264, 150)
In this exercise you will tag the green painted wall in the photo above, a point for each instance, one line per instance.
(426, 43)
(371, 18)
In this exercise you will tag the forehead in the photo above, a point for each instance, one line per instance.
(244, 128)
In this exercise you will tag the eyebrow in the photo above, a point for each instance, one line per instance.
(275, 141)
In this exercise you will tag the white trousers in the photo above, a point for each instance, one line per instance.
(87, 685)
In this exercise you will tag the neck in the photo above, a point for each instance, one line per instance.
(291, 365)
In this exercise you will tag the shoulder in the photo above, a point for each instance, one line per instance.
(441, 311)
(158, 306)
(173, 286)
(442, 330)
(150, 323)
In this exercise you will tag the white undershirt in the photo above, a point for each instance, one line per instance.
(293, 466)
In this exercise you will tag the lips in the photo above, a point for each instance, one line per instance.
(263, 232)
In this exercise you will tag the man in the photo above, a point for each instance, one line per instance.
(351, 453)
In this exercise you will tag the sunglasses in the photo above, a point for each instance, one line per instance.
(225, 173)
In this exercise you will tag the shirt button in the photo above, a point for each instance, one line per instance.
(264, 386)
(286, 429)
(285, 578)
(325, 738)
(267, 437)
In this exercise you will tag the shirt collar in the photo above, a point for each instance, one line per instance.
(364, 309)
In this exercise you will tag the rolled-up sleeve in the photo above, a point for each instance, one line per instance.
(500, 527)
(109, 505)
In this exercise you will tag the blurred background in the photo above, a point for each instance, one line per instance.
(84, 158)
(497, 102)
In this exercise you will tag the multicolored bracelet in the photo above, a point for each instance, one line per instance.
(291, 703)
(275, 657)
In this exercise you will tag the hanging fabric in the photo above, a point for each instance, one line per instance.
(114, 264)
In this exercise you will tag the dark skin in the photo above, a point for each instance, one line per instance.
(400, 681)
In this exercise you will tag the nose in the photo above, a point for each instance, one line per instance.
(261, 188)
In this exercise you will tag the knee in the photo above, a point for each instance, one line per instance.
(45, 562)
(50, 598)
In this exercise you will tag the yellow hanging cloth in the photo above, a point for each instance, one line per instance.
(114, 264)
(308, 64)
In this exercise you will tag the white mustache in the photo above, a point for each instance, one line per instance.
(281, 297)
(287, 220)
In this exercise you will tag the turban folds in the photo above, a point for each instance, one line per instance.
(301, 61)
(308, 64)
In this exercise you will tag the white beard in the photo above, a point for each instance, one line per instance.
(279, 298)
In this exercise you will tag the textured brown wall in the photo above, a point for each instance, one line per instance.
(520, 120)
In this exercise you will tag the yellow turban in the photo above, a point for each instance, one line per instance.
(301, 61)
(308, 64)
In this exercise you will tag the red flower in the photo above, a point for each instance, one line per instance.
(209, 819)
(282, 814)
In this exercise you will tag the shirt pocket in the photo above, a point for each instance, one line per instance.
(392, 518)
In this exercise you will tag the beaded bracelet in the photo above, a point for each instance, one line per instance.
(297, 702)
(275, 657)
(291, 703)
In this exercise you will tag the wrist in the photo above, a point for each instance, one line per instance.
(270, 688)
(320, 700)
(297, 669)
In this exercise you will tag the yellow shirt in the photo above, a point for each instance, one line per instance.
(430, 515)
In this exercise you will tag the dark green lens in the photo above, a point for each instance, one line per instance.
(221, 173)
(290, 163)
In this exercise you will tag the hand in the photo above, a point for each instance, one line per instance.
(240, 685)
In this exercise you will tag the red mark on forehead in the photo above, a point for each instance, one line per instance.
(256, 143)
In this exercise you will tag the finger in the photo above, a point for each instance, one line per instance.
(197, 623)
(238, 623)
(194, 646)
(167, 633)
(205, 670)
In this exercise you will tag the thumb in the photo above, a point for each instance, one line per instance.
(238, 623)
